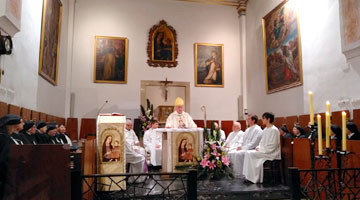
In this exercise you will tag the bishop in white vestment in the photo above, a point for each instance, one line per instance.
(268, 149)
(132, 139)
(249, 141)
(152, 144)
(179, 118)
(234, 137)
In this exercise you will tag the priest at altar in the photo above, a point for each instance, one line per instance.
(179, 118)
(153, 143)
(268, 149)
(132, 139)
(249, 141)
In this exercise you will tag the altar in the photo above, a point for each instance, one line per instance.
(180, 147)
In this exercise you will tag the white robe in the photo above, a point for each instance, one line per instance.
(268, 149)
(151, 139)
(132, 139)
(222, 136)
(175, 120)
(249, 141)
(233, 139)
(137, 162)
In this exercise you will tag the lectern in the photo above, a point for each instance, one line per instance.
(110, 140)
(180, 147)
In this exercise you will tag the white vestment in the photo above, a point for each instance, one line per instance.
(152, 138)
(268, 149)
(222, 136)
(249, 141)
(137, 162)
(183, 120)
(132, 139)
(233, 139)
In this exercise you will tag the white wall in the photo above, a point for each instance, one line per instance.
(133, 19)
(27, 88)
(322, 61)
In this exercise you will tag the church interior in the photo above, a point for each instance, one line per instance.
(95, 67)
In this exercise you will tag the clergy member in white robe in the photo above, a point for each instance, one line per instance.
(179, 118)
(249, 141)
(234, 137)
(153, 142)
(222, 133)
(137, 163)
(268, 149)
(132, 139)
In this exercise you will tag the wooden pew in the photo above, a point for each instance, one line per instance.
(35, 116)
(336, 117)
(279, 121)
(3, 109)
(243, 124)
(15, 110)
(226, 126)
(88, 125)
(38, 172)
(25, 114)
(42, 116)
(88, 164)
(301, 153)
(304, 121)
(286, 155)
(199, 123)
(208, 122)
(356, 117)
(290, 121)
(72, 128)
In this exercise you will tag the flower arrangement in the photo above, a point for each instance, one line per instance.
(213, 161)
(146, 117)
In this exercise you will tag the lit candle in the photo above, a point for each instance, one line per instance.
(319, 135)
(328, 107)
(327, 128)
(344, 139)
(311, 108)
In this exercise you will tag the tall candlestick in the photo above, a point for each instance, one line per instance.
(327, 129)
(311, 108)
(344, 139)
(328, 107)
(319, 135)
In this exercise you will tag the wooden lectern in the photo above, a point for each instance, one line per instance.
(180, 147)
(110, 139)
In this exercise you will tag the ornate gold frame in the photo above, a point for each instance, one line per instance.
(294, 84)
(44, 27)
(126, 59)
(196, 65)
(153, 62)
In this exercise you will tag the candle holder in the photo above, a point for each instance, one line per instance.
(312, 137)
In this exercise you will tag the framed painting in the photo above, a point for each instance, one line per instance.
(50, 40)
(162, 46)
(164, 112)
(185, 149)
(209, 65)
(350, 27)
(110, 59)
(282, 49)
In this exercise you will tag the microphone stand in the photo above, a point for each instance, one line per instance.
(102, 107)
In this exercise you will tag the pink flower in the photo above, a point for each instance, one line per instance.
(214, 153)
(213, 146)
(225, 160)
(211, 165)
(218, 154)
(204, 163)
(206, 156)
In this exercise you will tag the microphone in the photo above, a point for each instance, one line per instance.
(102, 107)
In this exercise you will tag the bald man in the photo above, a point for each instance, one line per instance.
(234, 137)
(179, 118)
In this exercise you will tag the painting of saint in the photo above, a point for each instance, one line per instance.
(209, 65)
(110, 152)
(110, 59)
(163, 46)
(185, 151)
(282, 49)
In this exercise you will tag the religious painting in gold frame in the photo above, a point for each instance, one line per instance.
(162, 46)
(185, 149)
(50, 40)
(209, 65)
(110, 59)
(282, 48)
(164, 112)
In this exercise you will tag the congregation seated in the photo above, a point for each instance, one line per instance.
(61, 134)
(299, 132)
(268, 149)
(222, 133)
(248, 141)
(40, 134)
(153, 143)
(50, 135)
(132, 139)
(29, 132)
(352, 131)
(234, 137)
(9, 128)
(284, 132)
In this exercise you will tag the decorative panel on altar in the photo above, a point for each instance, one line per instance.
(111, 149)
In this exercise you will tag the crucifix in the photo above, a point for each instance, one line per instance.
(166, 82)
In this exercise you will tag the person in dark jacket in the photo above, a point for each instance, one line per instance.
(298, 132)
(352, 131)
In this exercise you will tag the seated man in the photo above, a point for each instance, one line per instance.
(234, 137)
(268, 149)
(222, 133)
(137, 162)
(63, 136)
(132, 139)
(51, 134)
(179, 118)
(153, 142)
(249, 141)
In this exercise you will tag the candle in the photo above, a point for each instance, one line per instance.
(327, 129)
(319, 135)
(344, 131)
(328, 107)
(311, 108)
